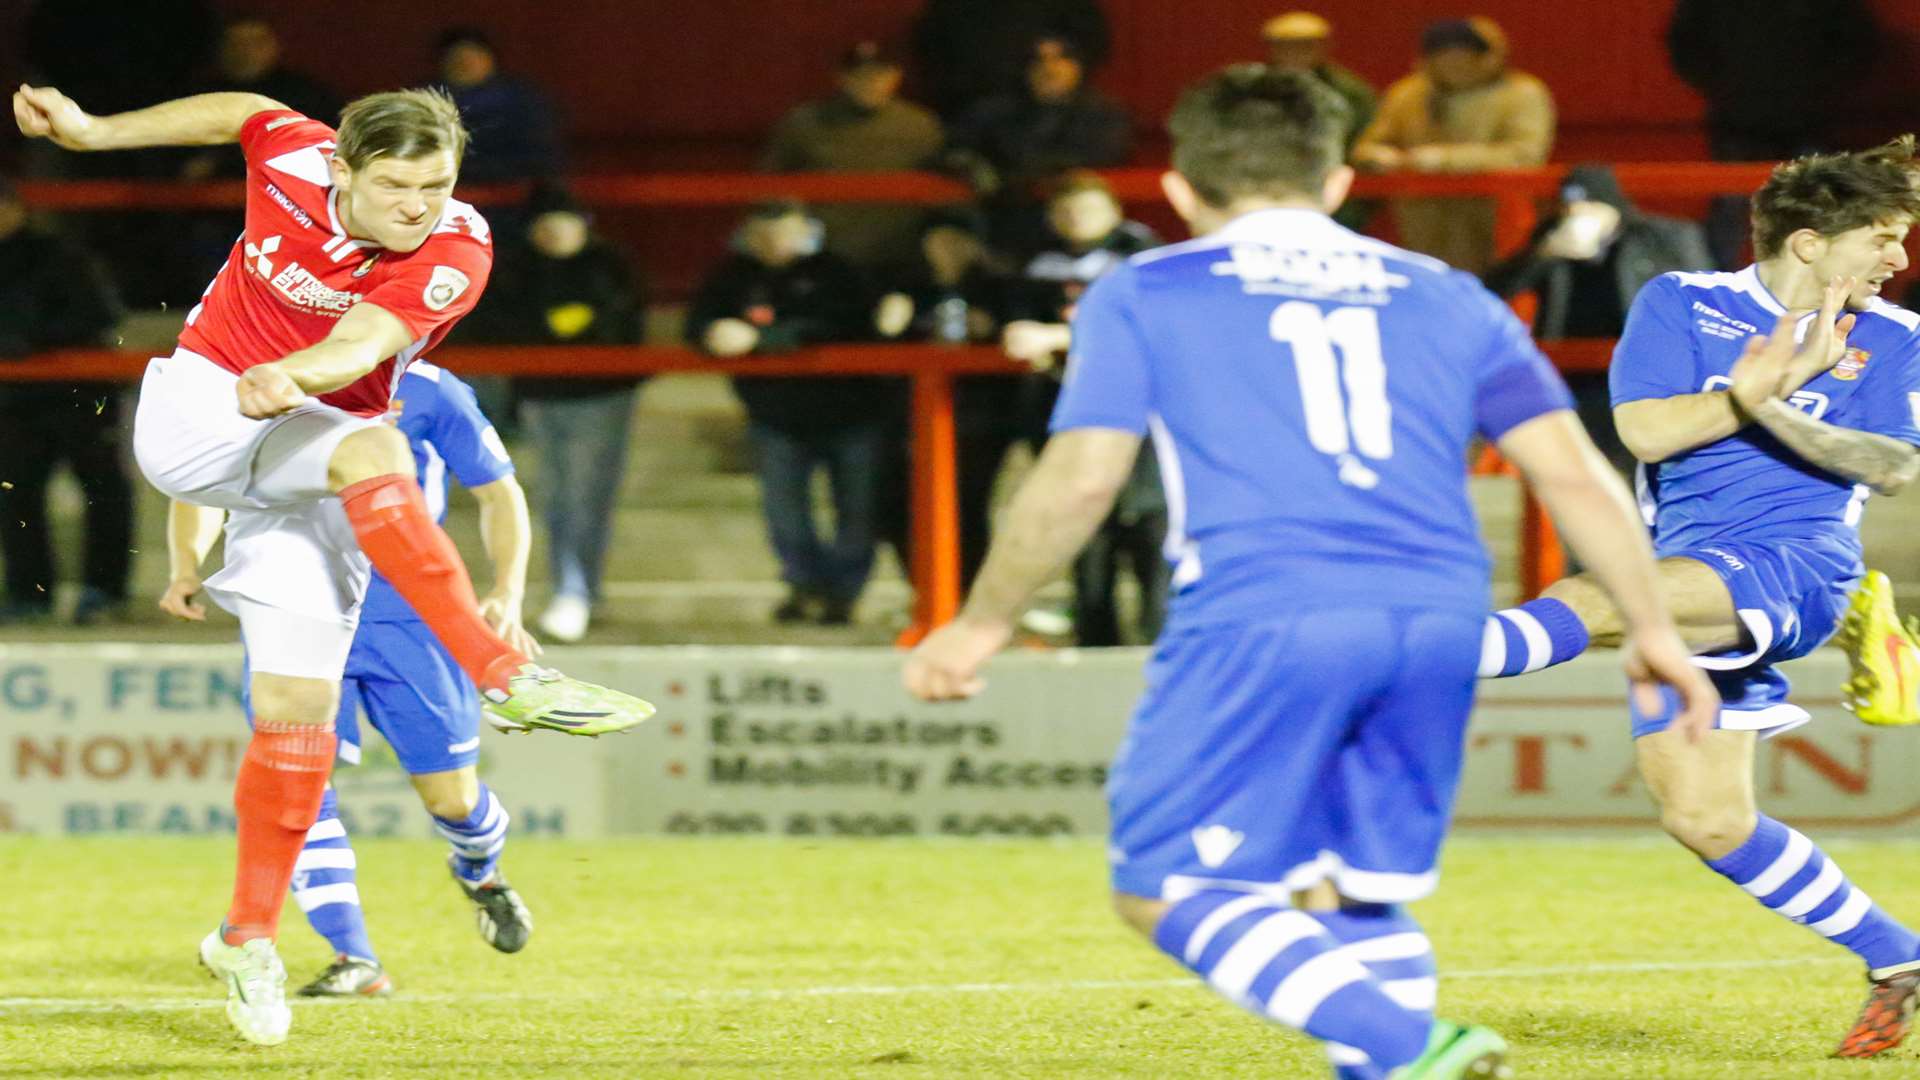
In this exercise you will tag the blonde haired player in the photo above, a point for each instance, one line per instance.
(356, 260)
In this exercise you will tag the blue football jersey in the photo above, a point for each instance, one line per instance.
(1683, 334)
(1311, 394)
(449, 434)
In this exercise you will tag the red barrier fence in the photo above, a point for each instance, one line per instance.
(1516, 194)
(935, 520)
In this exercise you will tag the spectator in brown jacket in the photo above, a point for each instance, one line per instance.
(1462, 110)
(863, 127)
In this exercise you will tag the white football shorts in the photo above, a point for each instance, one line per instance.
(294, 572)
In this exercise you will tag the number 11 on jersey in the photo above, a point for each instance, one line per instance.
(1354, 424)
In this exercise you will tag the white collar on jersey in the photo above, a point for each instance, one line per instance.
(1748, 281)
(1278, 222)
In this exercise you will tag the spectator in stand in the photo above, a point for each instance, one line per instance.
(1767, 72)
(52, 295)
(1584, 265)
(514, 133)
(953, 297)
(970, 50)
(1090, 236)
(561, 284)
(112, 56)
(248, 62)
(863, 127)
(1463, 110)
(779, 291)
(1300, 41)
(1012, 146)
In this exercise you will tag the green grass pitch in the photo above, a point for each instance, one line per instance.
(900, 959)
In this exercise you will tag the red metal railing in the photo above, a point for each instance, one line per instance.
(936, 566)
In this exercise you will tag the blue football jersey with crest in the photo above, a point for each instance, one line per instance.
(441, 418)
(1683, 335)
(1311, 395)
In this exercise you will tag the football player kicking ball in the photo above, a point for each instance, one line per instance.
(409, 686)
(1758, 456)
(356, 260)
(1287, 778)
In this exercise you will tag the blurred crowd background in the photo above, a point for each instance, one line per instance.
(677, 511)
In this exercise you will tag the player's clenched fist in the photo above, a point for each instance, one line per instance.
(946, 666)
(267, 390)
(45, 113)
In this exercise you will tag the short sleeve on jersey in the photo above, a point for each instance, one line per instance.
(1655, 356)
(439, 283)
(465, 438)
(1107, 376)
(273, 132)
(1513, 382)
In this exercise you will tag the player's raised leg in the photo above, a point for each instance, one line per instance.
(372, 470)
(1706, 798)
(1575, 614)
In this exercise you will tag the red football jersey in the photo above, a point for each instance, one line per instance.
(294, 271)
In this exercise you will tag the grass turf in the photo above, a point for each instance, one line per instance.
(899, 959)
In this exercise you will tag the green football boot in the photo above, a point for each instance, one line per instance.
(540, 697)
(1456, 1052)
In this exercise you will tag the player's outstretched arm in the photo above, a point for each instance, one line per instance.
(364, 336)
(1597, 516)
(507, 531)
(1063, 500)
(190, 534)
(43, 112)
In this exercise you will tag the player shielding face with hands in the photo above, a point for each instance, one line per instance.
(1766, 405)
(356, 259)
(1286, 780)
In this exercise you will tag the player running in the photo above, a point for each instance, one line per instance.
(1757, 460)
(410, 688)
(356, 260)
(1288, 776)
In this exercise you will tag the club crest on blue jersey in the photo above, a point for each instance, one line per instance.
(1851, 364)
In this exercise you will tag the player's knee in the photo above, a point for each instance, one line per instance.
(372, 451)
(1591, 604)
(1709, 831)
(1139, 912)
(285, 700)
(450, 805)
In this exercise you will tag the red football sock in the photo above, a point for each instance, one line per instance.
(389, 515)
(276, 799)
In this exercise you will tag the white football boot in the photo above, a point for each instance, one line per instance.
(256, 987)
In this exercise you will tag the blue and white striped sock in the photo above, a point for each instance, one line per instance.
(1396, 952)
(323, 884)
(1784, 871)
(1537, 634)
(478, 840)
(1282, 964)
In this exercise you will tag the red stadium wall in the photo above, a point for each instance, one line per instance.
(645, 82)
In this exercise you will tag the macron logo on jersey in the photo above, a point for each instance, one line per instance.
(1215, 844)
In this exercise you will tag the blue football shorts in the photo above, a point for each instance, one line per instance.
(414, 694)
(1323, 746)
(1790, 597)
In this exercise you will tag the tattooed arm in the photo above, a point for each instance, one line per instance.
(1884, 464)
